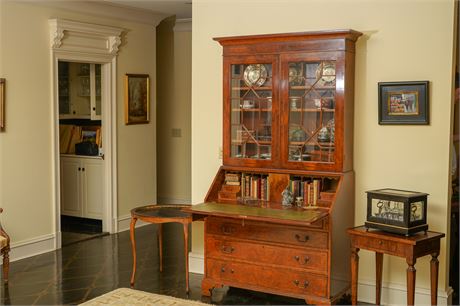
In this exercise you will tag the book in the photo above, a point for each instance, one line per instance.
(232, 183)
(232, 177)
(316, 191)
(65, 136)
(76, 138)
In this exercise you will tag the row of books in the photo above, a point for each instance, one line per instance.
(308, 190)
(255, 186)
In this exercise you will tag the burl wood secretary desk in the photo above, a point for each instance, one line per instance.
(288, 138)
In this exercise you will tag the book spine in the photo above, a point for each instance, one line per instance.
(315, 192)
(259, 191)
(268, 189)
(248, 186)
(305, 193)
(243, 185)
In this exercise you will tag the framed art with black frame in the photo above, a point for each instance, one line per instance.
(404, 103)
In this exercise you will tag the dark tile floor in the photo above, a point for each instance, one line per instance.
(87, 269)
(76, 229)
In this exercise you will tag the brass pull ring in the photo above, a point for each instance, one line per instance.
(303, 238)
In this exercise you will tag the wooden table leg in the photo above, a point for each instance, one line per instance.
(133, 245)
(410, 281)
(378, 276)
(6, 263)
(160, 244)
(434, 265)
(186, 255)
(354, 275)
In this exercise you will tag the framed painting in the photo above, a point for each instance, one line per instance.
(137, 98)
(403, 102)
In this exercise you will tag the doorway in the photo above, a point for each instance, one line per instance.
(93, 45)
(80, 150)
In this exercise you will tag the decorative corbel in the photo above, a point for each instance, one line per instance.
(114, 43)
(56, 35)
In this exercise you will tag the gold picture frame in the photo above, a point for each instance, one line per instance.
(2, 103)
(137, 98)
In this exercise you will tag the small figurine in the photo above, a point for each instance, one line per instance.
(299, 201)
(324, 135)
(287, 197)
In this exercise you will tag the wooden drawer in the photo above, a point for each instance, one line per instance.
(390, 247)
(264, 277)
(260, 231)
(219, 247)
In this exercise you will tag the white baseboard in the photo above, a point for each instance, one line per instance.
(125, 221)
(196, 263)
(168, 200)
(31, 247)
(394, 294)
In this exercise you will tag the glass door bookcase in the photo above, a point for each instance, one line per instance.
(250, 88)
(312, 104)
(277, 210)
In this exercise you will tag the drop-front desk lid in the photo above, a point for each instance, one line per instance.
(294, 216)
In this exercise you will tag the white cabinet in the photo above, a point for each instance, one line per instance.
(80, 90)
(82, 183)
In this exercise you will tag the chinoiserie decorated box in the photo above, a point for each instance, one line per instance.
(397, 211)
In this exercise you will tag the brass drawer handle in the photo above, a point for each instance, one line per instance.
(226, 229)
(223, 270)
(227, 249)
(303, 238)
(305, 260)
(304, 285)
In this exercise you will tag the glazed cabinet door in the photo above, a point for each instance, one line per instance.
(312, 103)
(79, 90)
(251, 111)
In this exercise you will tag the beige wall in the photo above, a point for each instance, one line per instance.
(26, 144)
(404, 40)
(137, 183)
(174, 58)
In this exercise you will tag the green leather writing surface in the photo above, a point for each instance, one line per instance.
(295, 215)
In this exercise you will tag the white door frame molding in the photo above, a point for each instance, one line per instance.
(83, 42)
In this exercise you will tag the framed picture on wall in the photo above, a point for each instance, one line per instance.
(137, 98)
(403, 102)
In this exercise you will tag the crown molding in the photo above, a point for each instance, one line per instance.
(183, 25)
(104, 9)
(74, 36)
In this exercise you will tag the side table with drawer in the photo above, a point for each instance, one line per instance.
(411, 248)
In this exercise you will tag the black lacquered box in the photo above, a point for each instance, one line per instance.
(397, 211)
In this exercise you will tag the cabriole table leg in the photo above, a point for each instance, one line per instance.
(133, 245)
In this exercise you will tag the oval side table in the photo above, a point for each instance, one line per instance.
(160, 214)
